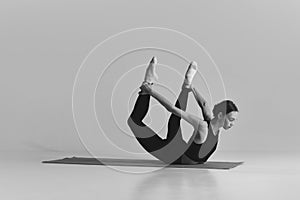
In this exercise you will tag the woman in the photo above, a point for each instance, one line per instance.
(174, 149)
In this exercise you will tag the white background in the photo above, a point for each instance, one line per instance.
(42, 44)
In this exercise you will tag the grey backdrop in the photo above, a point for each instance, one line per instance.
(254, 43)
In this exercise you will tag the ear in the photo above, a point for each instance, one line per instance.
(220, 115)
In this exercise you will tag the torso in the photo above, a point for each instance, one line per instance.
(210, 127)
(203, 150)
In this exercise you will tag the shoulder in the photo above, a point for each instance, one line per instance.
(202, 132)
(203, 125)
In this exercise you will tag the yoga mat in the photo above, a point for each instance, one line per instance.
(141, 163)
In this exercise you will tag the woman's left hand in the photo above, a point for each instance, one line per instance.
(146, 87)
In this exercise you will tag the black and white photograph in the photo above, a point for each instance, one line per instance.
(128, 99)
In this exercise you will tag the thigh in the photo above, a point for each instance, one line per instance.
(149, 140)
(171, 151)
(166, 151)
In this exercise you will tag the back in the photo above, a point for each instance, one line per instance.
(201, 152)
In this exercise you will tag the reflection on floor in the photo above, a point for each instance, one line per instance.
(262, 176)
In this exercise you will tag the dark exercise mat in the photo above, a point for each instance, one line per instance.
(141, 163)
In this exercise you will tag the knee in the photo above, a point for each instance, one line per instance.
(129, 121)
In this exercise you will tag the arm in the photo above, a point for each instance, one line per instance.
(200, 126)
(206, 110)
(195, 121)
(162, 100)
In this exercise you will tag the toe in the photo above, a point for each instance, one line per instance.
(153, 60)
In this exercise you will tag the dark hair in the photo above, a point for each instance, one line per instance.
(225, 106)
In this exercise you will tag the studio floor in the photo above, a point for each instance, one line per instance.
(264, 175)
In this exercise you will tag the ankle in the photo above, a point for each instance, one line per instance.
(186, 86)
(146, 88)
(147, 82)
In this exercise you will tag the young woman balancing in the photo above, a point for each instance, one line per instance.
(203, 142)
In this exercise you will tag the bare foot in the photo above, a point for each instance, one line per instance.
(189, 74)
(150, 74)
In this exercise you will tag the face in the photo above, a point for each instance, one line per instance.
(230, 119)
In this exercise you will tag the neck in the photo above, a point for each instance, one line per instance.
(216, 125)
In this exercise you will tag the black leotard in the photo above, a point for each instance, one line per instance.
(199, 153)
